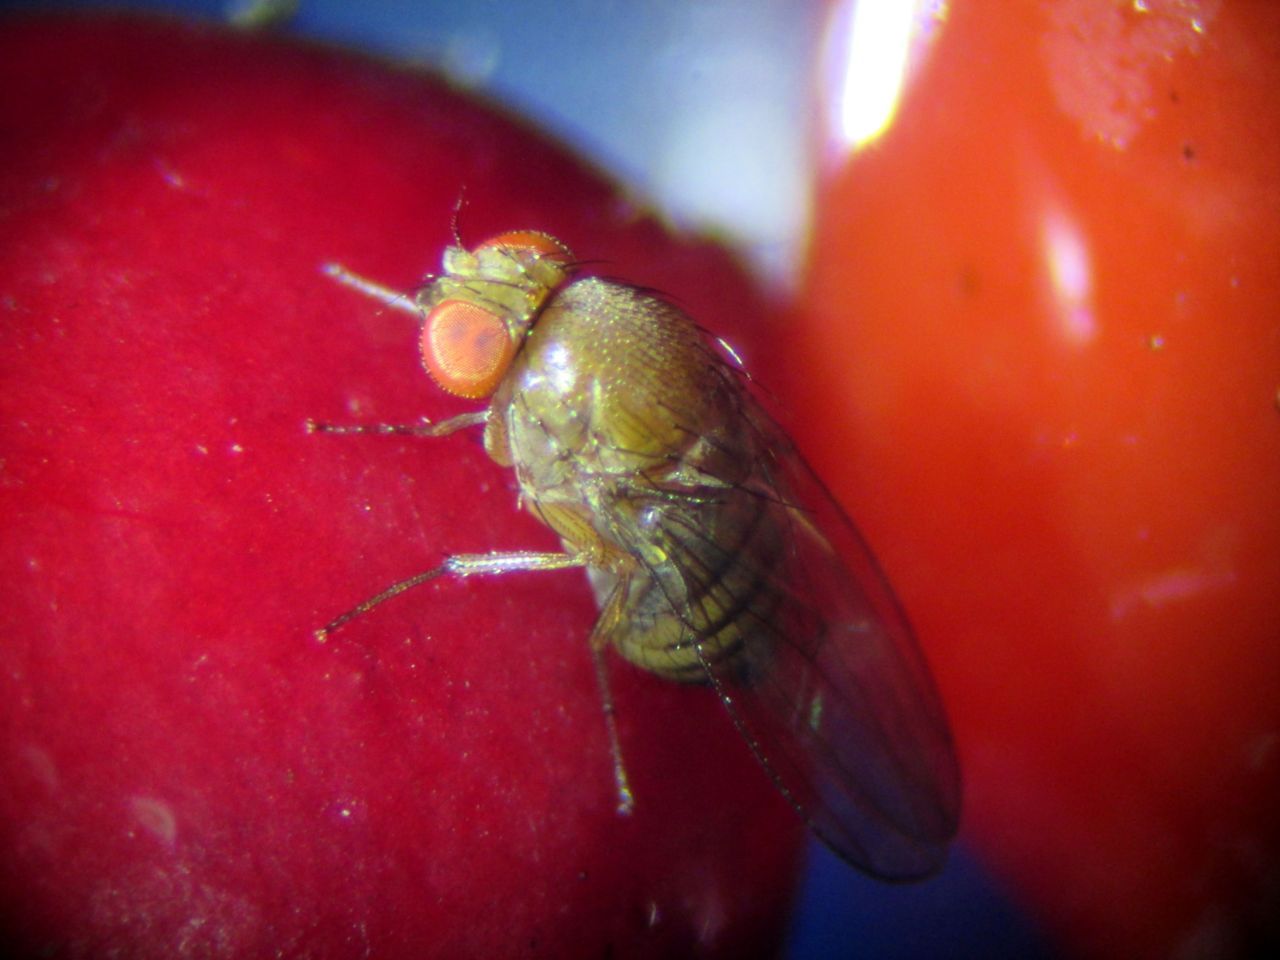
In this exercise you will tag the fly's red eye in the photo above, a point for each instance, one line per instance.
(540, 244)
(466, 348)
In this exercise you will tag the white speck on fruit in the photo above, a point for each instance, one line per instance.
(156, 818)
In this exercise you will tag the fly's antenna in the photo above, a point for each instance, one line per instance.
(392, 299)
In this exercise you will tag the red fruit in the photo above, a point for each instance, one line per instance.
(1041, 342)
(183, 770)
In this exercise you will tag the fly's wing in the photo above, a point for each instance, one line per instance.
(827, 684)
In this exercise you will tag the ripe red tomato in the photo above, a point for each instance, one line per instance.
(1040, 343)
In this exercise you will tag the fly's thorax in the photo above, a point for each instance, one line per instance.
(629, 438)
(614, 403)
(621, 379)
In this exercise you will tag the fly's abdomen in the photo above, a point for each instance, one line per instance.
(709, 583)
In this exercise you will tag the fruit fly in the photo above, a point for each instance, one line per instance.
(715, 553)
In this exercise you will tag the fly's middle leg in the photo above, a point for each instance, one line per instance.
(459, 565)
(496, 564)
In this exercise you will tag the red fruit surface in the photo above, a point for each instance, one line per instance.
(183, 769)
(1041, 352)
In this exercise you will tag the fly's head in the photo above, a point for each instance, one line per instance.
(480, 309)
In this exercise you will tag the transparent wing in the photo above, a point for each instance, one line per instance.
(823, 677)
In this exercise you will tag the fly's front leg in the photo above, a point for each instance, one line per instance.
(426, 428)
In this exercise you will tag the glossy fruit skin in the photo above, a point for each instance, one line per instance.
(181, 767)
(1073, 485)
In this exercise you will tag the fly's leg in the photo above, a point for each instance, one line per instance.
(626, 799)
(394, 590)
(371, 288)
(459, 565)
(426, 428)
(610, 618)
(496, 564)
